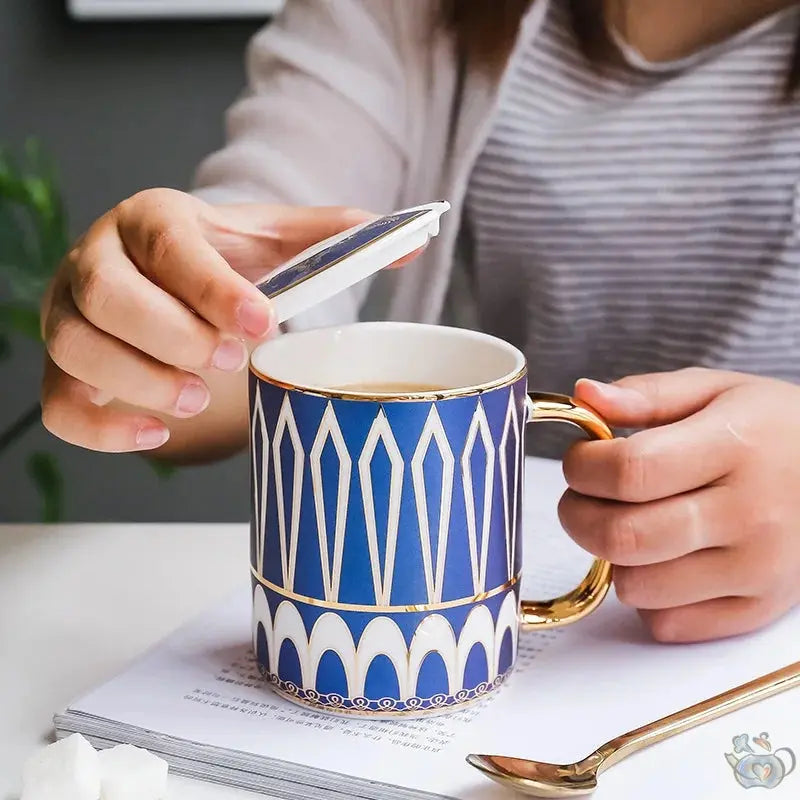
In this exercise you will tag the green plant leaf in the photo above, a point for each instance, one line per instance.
(9, 171)
(20, 319)
(163, 469)
(42, 184)
(46, 475)
(25, 287)
(34, 232)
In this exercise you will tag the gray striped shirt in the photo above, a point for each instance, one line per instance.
(644, 218)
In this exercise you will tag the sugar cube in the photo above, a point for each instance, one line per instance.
(66, 770)
(130, 773)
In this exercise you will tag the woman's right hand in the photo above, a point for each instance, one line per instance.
(158, 292)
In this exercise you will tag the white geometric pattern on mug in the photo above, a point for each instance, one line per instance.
(286, 422)
(478, 556)
(329, 429)
(336, 702)
(511, 425)
(433, 434)
(382, 574)
(434, 570)
(382, 636)
(260, 503)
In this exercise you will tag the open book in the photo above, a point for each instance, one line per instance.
(197, 700)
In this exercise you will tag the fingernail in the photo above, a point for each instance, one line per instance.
(100, 398)
(230, 356)
(256, 318)
(612, 392)
(149, 438)
(193, 399)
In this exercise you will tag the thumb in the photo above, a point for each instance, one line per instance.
(646, 401)
(256, 238)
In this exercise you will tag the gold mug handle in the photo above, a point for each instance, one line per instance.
(581, 601)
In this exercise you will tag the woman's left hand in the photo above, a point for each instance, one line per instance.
(701, 510)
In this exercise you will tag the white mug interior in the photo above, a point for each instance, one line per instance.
(325, 360)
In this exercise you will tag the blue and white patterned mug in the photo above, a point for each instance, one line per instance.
(387, 463)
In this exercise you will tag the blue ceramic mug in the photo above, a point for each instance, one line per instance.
(387, 464)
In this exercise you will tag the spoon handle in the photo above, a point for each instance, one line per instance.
(751, 692)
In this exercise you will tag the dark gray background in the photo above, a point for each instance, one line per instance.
(123, 106)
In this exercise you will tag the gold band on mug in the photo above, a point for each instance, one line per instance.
(315, 601)
(584, 599)
(391, 397)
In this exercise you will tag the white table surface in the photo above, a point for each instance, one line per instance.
(79, 602)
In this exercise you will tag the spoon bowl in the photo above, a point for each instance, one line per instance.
(538, 778)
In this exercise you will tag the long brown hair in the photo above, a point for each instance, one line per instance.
(487, 30)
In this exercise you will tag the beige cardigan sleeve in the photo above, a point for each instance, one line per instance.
(323, 121)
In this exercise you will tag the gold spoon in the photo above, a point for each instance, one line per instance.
(540, 779)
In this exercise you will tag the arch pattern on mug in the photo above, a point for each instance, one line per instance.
(384, 636)
(341, 487)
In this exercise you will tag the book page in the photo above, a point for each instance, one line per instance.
(573, 689)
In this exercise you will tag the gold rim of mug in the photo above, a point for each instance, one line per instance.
(407, 609)
(444, 394)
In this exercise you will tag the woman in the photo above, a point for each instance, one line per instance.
(624, 206)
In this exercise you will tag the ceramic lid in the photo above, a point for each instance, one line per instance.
(333, 265)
